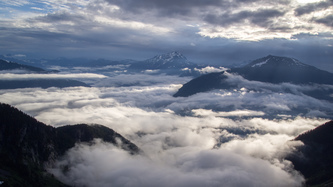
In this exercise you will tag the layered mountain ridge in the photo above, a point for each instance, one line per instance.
(8, 65)
(12, 67)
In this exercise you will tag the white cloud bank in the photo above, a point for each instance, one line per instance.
(104, 165)
(203, 150)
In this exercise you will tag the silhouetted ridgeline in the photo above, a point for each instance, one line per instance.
(27, 144)
(315, 159)
(7, 65)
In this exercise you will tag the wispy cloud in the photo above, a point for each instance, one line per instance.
(15, 2)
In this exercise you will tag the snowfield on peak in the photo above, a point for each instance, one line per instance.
(260, 63)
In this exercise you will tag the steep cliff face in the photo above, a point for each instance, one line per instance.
(27, 144)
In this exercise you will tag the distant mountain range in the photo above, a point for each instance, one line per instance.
(26, 145)
(8, 65)
(270, 69)
(173, 60)
(173, 63)
(12, 67)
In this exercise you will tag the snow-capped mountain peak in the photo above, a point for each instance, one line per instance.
(271, 60)
(173, 61)
(168, 57)
(260, 63)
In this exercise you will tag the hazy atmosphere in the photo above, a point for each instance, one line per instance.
(212, 92)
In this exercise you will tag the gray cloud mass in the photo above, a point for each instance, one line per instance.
(326, 20)
(312, 7)
(259, 17)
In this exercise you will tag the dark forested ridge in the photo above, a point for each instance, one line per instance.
(315, 159)
(27, 144)
(203, 83)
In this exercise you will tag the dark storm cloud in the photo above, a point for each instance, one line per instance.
(312, 7)
(169, 7)
(195, 8)
(328, 20)
(259, 17)
(57, 37)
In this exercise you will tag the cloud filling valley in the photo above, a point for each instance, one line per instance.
(221, 137)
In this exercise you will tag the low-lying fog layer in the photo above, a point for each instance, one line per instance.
(200, 147)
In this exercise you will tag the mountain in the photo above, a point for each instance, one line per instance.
(271, 69)
(275, 69)
(315, 158)
(173, 63)
(27, 145)
(33, 83)
(8, 65)
(173, 60)
(204, 83)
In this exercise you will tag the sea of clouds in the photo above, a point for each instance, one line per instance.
(235, 137)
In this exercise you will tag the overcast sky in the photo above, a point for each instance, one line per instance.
(206, 31)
